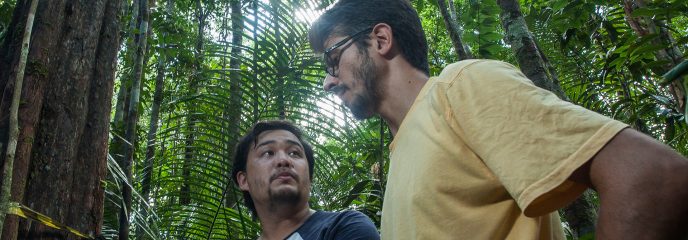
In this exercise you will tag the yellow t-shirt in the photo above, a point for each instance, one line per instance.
(485, 154)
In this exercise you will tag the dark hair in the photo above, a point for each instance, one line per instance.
(244, 145)
(349, 16)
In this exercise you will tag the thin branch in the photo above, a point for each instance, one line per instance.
(14, 119)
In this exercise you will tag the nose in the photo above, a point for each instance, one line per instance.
(330, 82)
(283, 160)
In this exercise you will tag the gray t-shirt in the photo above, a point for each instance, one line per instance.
(346, 225)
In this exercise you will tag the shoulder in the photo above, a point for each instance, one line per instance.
(352, 215)
(474, 65)
(343, 217)
(355, 225)
(480, 71)
(347, 225)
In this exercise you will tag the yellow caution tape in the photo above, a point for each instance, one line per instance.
(28, 213)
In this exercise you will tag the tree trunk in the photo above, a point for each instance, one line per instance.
(233, 113)
(530, 59)
(254, 63)
(670, 56)
(118, 125)
(155, 115)
(62, 149)
(153, 128)
(534, 64)
(125, 85)
(149, 161)
(282, 68)
(452, 25)
(185, 191)
(132, 118)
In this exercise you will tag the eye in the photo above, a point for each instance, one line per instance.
(267, 153)
(332, 59)
(295, 154)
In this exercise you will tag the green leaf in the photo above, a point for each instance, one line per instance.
(559, 4)
(645, 12)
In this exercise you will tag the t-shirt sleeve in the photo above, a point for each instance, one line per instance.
(528, 138)
(354, 225)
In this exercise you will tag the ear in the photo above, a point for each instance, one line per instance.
(383, 38)
(241, 179)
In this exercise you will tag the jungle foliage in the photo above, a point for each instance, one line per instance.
(212, 68)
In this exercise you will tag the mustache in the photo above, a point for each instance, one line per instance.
(285, 172)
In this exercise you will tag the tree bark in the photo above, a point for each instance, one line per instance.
(62, 149)
(452, 25)
(670, 56)
(530, 59)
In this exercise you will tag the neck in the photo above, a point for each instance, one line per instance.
(401, 85)
(277, 222)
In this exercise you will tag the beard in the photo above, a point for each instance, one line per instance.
(284, 196)
(364, 104)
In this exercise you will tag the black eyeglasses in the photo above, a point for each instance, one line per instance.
(332, 64)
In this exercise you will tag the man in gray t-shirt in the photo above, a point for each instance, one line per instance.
(273, 166)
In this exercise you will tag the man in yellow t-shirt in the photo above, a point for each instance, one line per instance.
(479, 152)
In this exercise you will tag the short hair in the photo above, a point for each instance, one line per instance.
(243, 148)
(347, 17)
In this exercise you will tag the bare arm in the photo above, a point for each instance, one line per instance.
(643, 188)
